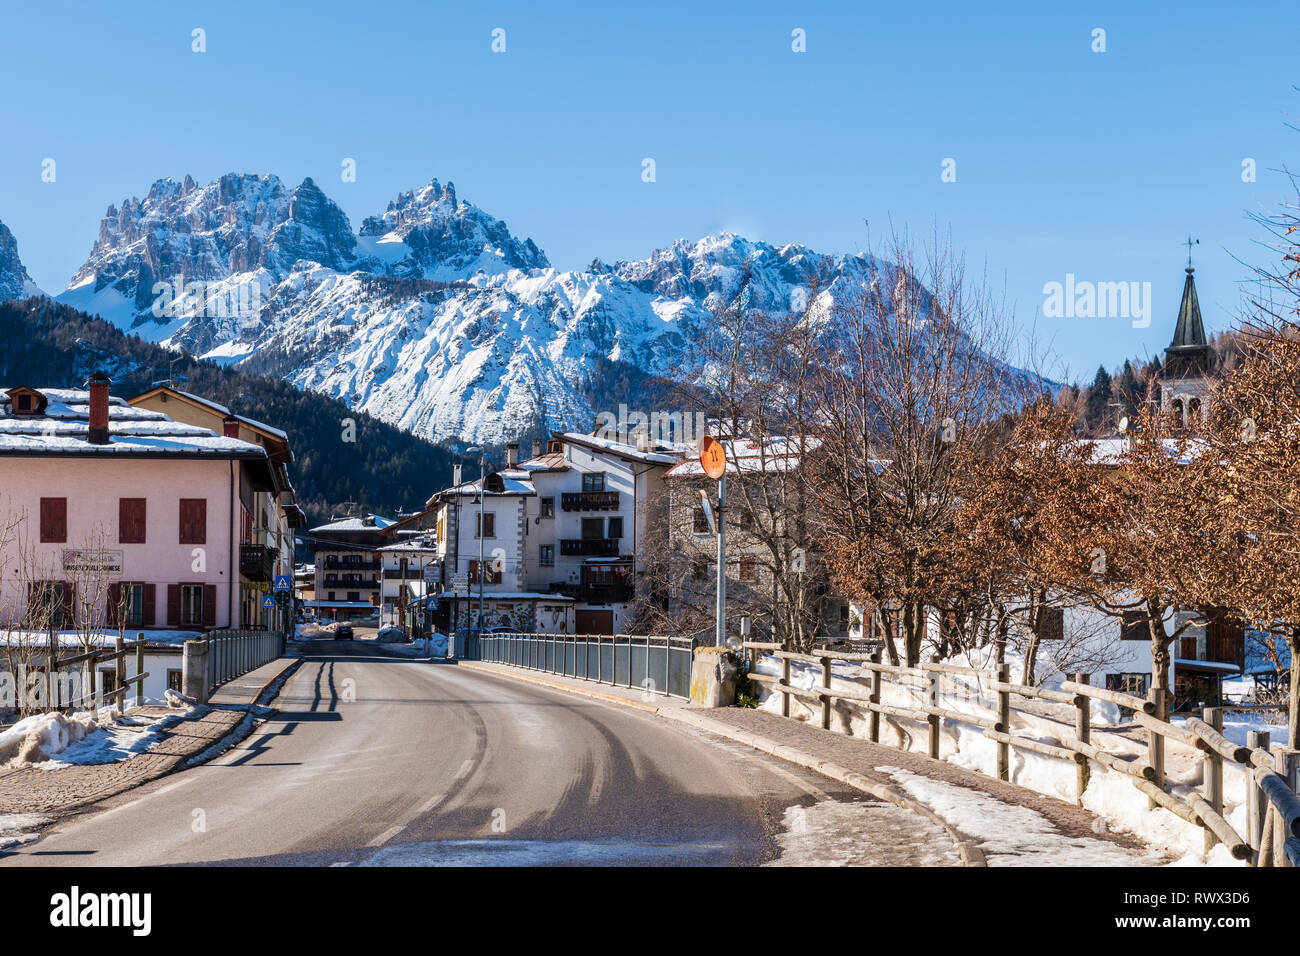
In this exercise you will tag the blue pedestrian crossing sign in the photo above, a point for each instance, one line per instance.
(431, 603)
(282, 582)
(268, 601)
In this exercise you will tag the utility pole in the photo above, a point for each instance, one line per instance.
(720, 633)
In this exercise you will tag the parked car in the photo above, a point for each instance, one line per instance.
(343, 632)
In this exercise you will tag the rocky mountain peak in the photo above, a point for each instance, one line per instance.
(15, 283)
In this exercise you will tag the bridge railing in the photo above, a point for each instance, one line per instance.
(1272, 775)
(653, 664)
(233, 652)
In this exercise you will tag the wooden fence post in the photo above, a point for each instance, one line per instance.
(1155, 742)
(1083, 733)
(1004, 719)
(119, 670)
(139, 669)
(826, 696)
(1287, 764)
(1212, 762)
(876, 681)
(1256, 802)
(933, 719)
(785, 679)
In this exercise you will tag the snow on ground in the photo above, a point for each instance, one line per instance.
(1012, 835)
(1110, 796)
(862, 833)
(55, 741)
(18, 828)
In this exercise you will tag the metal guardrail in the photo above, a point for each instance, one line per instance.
(658, 665)
(236, 651)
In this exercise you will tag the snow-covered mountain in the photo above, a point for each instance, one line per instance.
(434, 317)
(15, 283)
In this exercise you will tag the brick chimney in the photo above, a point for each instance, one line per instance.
(98, 431)
(230, 426)
(537, 448)
(512, 454)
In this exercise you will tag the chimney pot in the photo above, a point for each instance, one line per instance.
(97, 433)
(230, 427)
(537, 448)
(512, 454)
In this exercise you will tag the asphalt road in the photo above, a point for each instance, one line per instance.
(377, 760)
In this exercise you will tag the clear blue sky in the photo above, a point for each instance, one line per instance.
(1068, 161)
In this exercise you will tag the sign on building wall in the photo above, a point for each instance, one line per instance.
(94, 562)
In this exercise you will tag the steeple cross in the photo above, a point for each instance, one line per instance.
(1191, 242)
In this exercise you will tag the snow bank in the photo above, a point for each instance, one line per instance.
(106, 736)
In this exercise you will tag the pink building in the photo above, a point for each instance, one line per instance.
(142, 510)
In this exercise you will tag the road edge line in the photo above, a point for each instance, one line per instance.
(968, 849)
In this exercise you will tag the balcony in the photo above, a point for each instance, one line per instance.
(590, 547)
(589, 501)
(395, 574)
(608, 593)
(336, 564)
(349, 581)
(257, 562)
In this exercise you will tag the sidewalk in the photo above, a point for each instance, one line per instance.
(32, 790)
(877, 770)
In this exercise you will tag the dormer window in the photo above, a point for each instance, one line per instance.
(26, 401)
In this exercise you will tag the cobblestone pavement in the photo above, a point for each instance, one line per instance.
(32, 790)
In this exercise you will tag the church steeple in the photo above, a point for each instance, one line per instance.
(1186, 386)
(1189, 352)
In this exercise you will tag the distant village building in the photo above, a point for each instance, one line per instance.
(347, 566)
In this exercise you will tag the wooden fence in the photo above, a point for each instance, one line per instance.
(1272, 775)
(93, 692)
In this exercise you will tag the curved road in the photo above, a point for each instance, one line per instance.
(378, 760)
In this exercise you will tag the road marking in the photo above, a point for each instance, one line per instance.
(387, 835)
(172, 786)
(466, 768)
(431, 804)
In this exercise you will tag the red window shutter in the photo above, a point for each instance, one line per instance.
(248, 528)
(209, 605)
(148, 604)
(113, 610)
(69, 604)
(194, 521)
(54, 519)
(131, 520)
(173, 605)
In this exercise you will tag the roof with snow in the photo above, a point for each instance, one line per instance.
(62, 428)
(370, 522)
(776, 454)
(660, 453)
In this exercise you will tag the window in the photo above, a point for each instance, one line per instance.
(132, 605)
(54, 519)
(593, 528)
(700, 569)
(354, 596)
(192, 605)
(130, 520)
(174, 679)
(52, 603)
(744, 519)
(24, 404)
(546, 554)
(486, 520)
(329, 596)
(701, 522)
(844, 618)
(593, 481)
(615, 528)
(1135, 684)
(546, 507)
(748, 569)
(489, 575)
(194, 521)
(1134, 627)
(108, 680)
(1051, 624)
